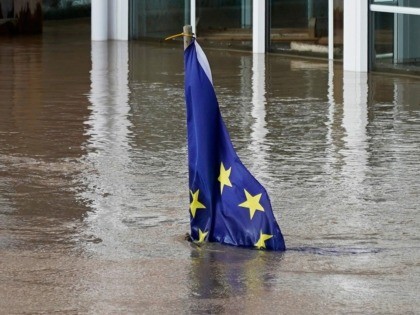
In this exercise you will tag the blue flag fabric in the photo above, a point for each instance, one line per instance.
(227, 204)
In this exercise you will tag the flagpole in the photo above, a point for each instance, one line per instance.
(187, 32)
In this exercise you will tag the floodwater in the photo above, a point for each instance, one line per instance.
(94, 190)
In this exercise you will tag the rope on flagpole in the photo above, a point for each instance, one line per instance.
(187, 34)
(178, 35)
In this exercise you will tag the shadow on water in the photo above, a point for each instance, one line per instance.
(219, 272)
(335, 251)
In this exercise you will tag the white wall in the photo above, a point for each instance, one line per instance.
(258, 26)
(109, 19)
(355, 41)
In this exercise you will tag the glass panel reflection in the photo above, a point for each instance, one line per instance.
(157, 19)
(302, 26)
(225, 23)
(395, 43)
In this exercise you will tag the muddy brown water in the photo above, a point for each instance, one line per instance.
(94, 187)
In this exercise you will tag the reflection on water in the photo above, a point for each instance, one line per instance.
(108, 185)
(258, 112)
(231, 273)
(355, 120)
(94, 188)
(330, 145)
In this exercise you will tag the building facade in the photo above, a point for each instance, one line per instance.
(366, 34)
(20, 17)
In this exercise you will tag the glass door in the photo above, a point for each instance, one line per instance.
(395, 43)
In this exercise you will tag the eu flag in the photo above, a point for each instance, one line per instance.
(228, 205)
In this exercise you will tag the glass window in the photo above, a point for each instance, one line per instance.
(225, 22)
(302, 26)
(386, 2)
(395, 43)
(383, 44)
(157, 19)
(219, 22)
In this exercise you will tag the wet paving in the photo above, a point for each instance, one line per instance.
(94, 189)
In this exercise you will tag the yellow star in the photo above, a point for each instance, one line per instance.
(195, 204)
(261, 242)
(224, 177)
(252, 202)
(201, 236)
